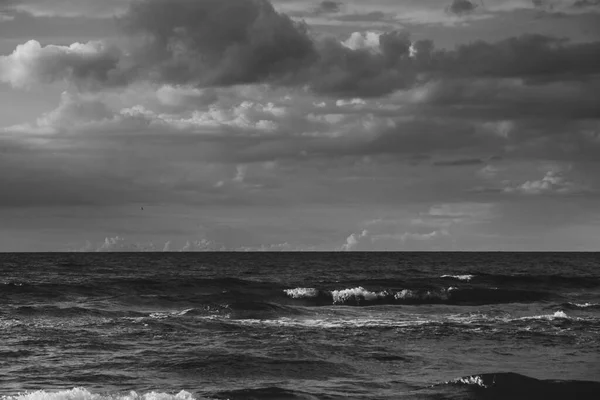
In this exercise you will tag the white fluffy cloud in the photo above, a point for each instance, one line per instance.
(87, 64)
(408, 241)
(363, 40)
(552, 182)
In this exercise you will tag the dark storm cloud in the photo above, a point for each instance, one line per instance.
(526, 56)
(500, 99)
(223, 43)
(218, 43)
(344, 71)
(461, 7)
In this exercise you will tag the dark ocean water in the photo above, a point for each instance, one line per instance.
(299, 326)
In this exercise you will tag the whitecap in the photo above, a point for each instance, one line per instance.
(460, 277)
(470, 380)
(300, 293)
(549, 317)
(584, 305)
(357, 294)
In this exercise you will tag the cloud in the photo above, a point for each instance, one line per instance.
(185, 97)
(90, 64)
(586, 3)
(489, 171)
(255, 43)
(361, 68)
(328, 7)
(462, 211)
(408, 241)
(211, 43)
(565, 7)
(67, 8)
(552, 183)
(355, 240)
(529, 56)
(119, 244)
(460, 7)
(363, 40)
(214, 43)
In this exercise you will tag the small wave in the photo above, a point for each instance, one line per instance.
(266, 393)
(334, 323)
(459, 277)
(163, 315)
(549, 317)
(543, 280)
(513, 385)
(581, 305)
(70, 312)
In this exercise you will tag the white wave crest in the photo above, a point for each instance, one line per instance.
(584, 305)
(84, 394)
(460, 277)
(168, 314)
(470, 380)
(333, 323)
(300, 293)
(549, 317)
(408, 294)
(357, 293)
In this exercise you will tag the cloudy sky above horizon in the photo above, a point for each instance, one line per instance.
(299, 125)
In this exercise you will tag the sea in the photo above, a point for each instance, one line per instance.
(184, 326)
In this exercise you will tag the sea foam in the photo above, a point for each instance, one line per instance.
(84, 394)
(549, 317)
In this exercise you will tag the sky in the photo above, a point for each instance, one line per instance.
(288, 125)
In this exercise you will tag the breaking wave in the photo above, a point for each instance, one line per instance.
(359, 296)
(516, 386)
(581, 306)
(84, 394)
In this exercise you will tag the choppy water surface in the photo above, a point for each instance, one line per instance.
(299, 326)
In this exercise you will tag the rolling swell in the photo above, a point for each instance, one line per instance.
(239, 293)
(269, 393)
(516, 386)
(248, 295)
(527, 279)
